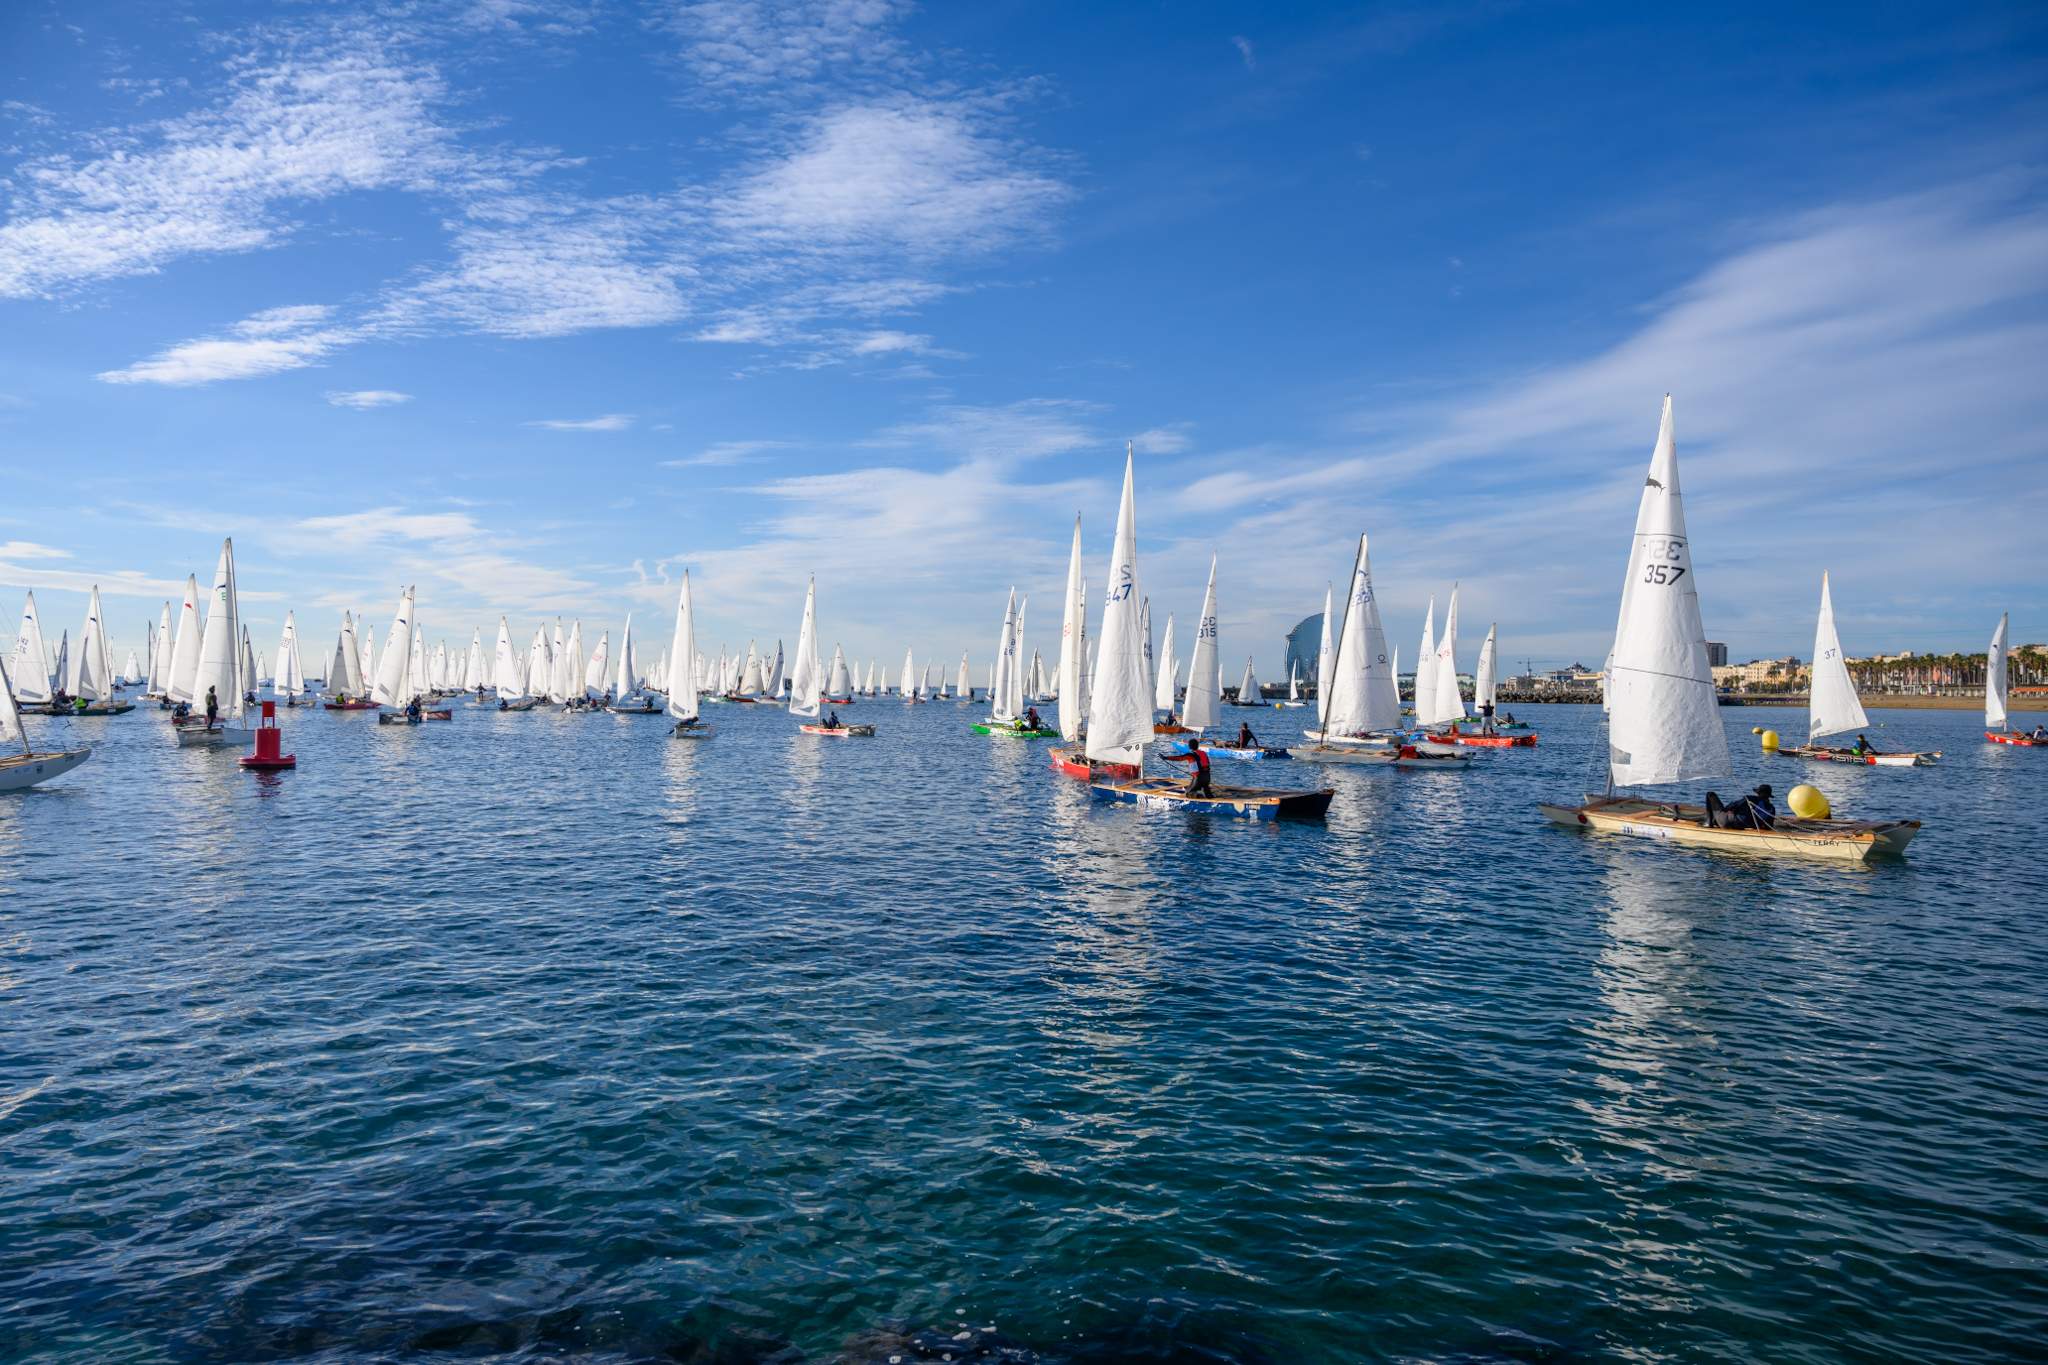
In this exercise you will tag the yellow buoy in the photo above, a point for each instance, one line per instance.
(1807, 802)
(1770, 741)
(1756, 729)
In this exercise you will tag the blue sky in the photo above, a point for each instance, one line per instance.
(535, 304)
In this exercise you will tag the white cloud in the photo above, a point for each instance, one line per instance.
(726, 453)
(611, 421)
(906, 175)
(265, 343)
(364, 399)
(1171, 439)
(383, 525)
(219, 180)
(1244, 50)
(758, 46)
(28, 549)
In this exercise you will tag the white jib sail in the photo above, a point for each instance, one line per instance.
(1484, 682)
(906, 685)
(1120, 700)
(391, 668)
(505, 676)
(1073, 615)
(963, 685)
(805, 686)
(1832, 705)
(1000, 705)
(1450, 703)
(93, 671)
(1362, 695)
(1151, 659)
(537, 665)
(160, 658)
(1994, 678)
(185, 651)
(773, 687)
(1425, 668)
(839, 683)
(1248, 685)
(1663, 722)
(682, 684)
(1167, 687)
(291, 675)
(10, 714)
(475, 673)
(220, 642)
(1201, 711)
(1325, 659)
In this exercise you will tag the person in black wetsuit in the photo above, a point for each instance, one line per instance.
(1245, 738)
(212, 708)
(1755, 811)
(1863, 745)
(412, 710)
(1198, 781)
(1031, 721)
(832, 721)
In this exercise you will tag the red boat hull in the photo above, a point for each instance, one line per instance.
(1073, 763)
(2017, 741)
(1518, 741)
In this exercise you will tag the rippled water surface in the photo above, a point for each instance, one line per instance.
(540, 1036)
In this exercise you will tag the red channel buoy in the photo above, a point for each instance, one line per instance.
(268, 737)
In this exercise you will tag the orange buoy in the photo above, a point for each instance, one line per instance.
(268, 741)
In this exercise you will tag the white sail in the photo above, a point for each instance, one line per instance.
(1324, 660)
(61, 674)
(1248, 686)
(1001, 707)
(185, 649)
(538, 669)
(772, 684)
(345, 671)
(368, 662)
(1120, 700)
(1201, 710)
(31, 667)
(1151, 660)
(291, 673)
(907, 684)
(1832, 705)
(839, 680)
(391, 669)
(805, 684)
(1994, 678)
(594, 672)
(1362, 696)
(569, 672)
(160, 657)
(504, 676)
(220, 641)
(1484, 683)
(10, 714)
(963, 685)
(416, 683)
(1663, 722)
(131, 669)
(682, 686)
(1073, 617)
(1425, 668)
(1449, 703)
(92, 672)
(475, 672)
(1293, 680)
(1167, 684)
(750, 672)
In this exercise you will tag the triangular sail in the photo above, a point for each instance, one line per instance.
(1425, 668)
(1663, 722)
(805, 686)
(1151, 659)
(1293, 680)
(1073, 618)
(773, 682)
(506, 678)
(536, 676)
(1832, 705)
(185, 649)
(1120, 701)
(1205, 676)
(220, 641)
(31, 667)
(1248, 686)
(839, 685)
(1361, 694)
(391, 668)
(1167, 685)
(1994, 678)
(1449, 703)
(290, 679)
(11, 731)
(160, 657)
(1001, 706)
(1325, 659)
(682, 685)
(1484, 682)
(963, 684)
(92, 672)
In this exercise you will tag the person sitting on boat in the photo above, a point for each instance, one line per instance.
(1245, 738)
(2040, 734)
(1755, 811)
(1198, 781)
(1507, 718)
(504, 705)
(212, 708)
(832, 721)
(1171, 718)
(1863, 746)
(412, 710)
(1031, 721)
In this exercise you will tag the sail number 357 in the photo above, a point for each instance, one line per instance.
(1664, 558)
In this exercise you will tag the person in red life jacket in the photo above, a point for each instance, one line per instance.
(1198, 781)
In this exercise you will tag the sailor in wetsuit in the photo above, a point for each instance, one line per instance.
(1198, 781)
(1245, 738)
(1755, 811)
(832, 721)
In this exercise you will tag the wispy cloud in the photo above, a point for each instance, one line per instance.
(611, 421)
(1171, 439)
(726, 453)
(764, 47)
(28, 549)
(264, 343)
(364, 399)
(1244, 50)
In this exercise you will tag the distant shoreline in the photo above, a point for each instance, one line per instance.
(1871, 702)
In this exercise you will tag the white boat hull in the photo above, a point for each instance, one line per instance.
(218, 737)
(22, 771)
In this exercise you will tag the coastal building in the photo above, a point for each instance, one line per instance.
(1304, 649)
(1717, 654)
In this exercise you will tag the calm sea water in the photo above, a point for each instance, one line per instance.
(537, 1037)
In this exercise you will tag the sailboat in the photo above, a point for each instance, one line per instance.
(1663, 720)
(631, 699)
(25, 769)
(963, 683)
(1485, 692)
(1008, 700)
(401, 673)
(1120, 699)
(1071, 756)
(911, 685)
(808, 679)
(1294, 698)
(1361, 707)
(1201, 709)
(1166, 685)
(1833, 708)
(291, 673)
(219, 667)
(1425, 668)
(346, 685)
(1996, 726)
(31, 661)
(92, 682)
(838, 680)
(682, 682)
(1248, 687)
(159, 658)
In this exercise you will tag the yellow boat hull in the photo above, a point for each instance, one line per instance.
(1840, 840)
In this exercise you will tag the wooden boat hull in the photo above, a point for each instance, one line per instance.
(19, 772)
(1171, 730)
(1242, 803)
(1837, 840)
(1873, 760)
(839, 731)
(1012, 731)
(2017, 741)
(1382, 756)
(1469, 741)
(1234, 753)
(350, 705)
(1074, 762)
(223, 736)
